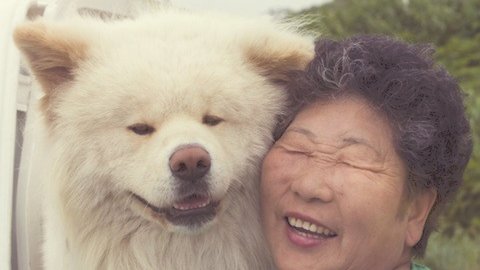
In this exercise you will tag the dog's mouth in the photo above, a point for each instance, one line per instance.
(193, 210)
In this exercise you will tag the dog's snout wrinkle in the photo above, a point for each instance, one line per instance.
(186, 189)
(190, 163)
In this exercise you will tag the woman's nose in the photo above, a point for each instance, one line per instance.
(313, 185)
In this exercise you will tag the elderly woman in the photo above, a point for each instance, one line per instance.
(378, 146)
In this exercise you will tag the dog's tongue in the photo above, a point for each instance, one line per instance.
(192, 202)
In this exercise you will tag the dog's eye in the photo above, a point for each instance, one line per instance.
(141, 129)
(211, 120)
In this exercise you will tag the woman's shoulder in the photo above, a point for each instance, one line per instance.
(416, 266)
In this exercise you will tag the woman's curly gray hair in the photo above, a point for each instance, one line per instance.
(422, 102)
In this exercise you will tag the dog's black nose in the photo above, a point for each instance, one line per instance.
(190, 163)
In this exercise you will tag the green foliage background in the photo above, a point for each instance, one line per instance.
(453, 27)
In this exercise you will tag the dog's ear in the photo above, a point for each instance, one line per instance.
(52, 52)
(276, 55)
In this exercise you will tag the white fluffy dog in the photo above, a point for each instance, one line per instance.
(156, 129)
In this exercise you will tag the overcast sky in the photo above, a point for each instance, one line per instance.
(240, 7)
(246, 7)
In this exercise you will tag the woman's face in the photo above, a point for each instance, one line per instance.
(334, 191)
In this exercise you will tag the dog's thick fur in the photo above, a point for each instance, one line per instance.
(206, 80)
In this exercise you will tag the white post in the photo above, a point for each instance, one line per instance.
(12, 12)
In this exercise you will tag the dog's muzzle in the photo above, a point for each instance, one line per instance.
(194, 206)
(190, 165)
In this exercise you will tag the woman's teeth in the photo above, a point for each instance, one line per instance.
(309, 227)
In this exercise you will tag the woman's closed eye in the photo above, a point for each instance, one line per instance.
(295, 143)
(348, 164)
(295, 149)
(359, 164)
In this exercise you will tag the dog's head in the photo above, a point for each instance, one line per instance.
(169, 115)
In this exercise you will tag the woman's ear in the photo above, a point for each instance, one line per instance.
(417, 214)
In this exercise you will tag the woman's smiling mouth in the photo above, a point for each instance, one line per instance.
(305, 233)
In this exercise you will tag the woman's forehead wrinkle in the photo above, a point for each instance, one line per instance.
(310, 135)
(351, 140)
(346, 141)
(318, 145)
